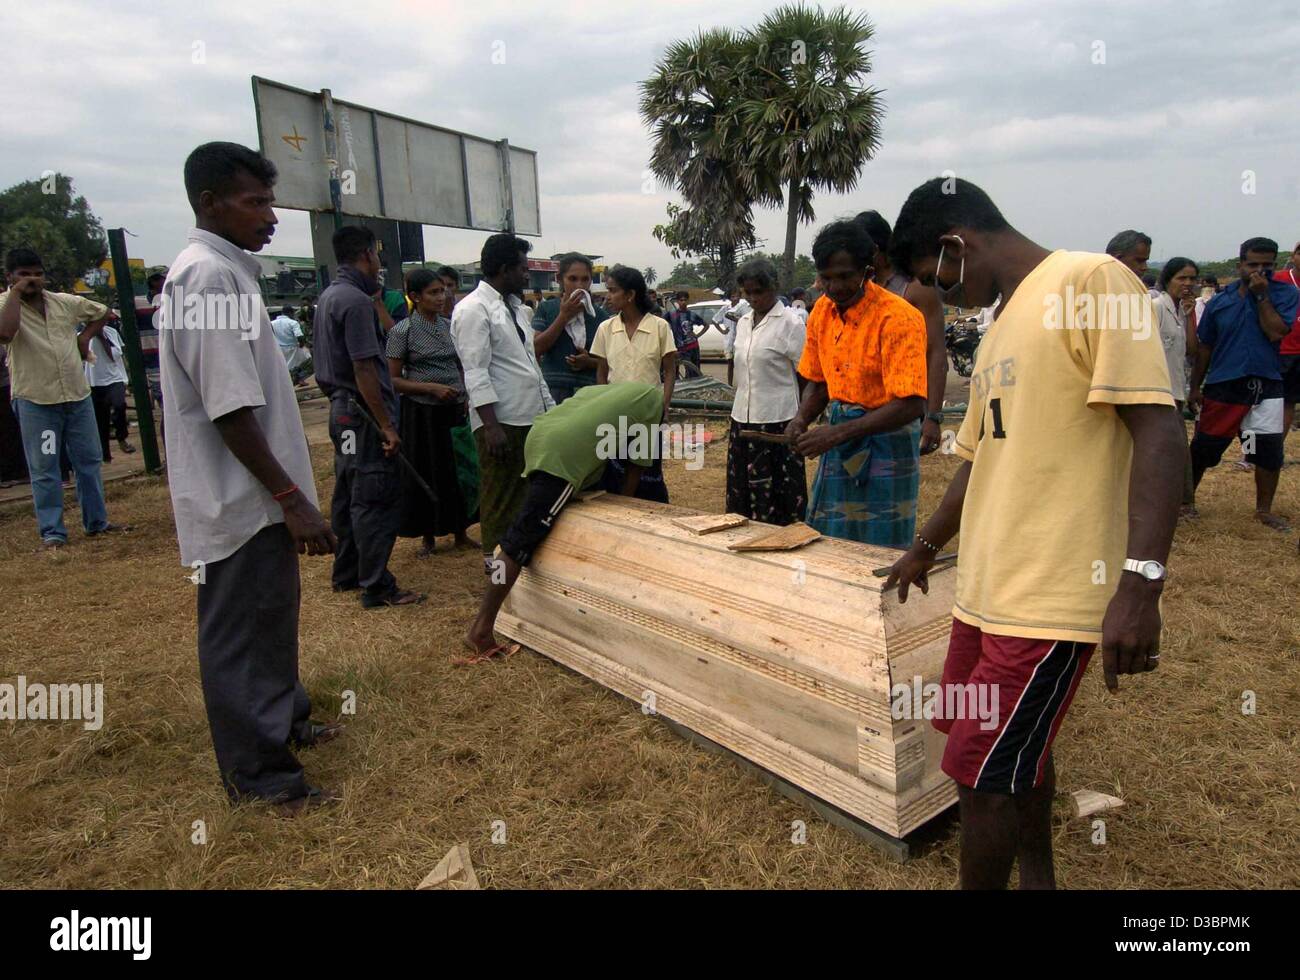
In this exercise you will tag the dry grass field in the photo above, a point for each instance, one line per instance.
(593, 794)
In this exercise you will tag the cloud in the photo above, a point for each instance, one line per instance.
(1007, 93)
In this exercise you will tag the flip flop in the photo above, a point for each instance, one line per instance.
(402, 597)
(477, 657)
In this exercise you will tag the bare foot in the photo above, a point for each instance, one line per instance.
(1276, 521)
(1188, 512)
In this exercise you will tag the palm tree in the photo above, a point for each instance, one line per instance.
(651, 277)
(691, 104)
(809, 122)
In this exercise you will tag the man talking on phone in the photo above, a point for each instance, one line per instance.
(1237, 383)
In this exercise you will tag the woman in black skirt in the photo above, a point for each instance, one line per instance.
(765, 480)
(427, 374)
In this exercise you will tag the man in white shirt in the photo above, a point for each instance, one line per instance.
(726, 319)
(106, 375)
(492, 331)
(799, 304)
(241, 481)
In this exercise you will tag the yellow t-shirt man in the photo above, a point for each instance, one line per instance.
(1044, 525)
(636, 358)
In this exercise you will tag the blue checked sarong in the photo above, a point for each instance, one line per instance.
(866, 490)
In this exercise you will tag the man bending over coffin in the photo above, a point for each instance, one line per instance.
(566, 450)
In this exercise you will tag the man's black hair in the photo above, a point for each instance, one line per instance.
(877, 227)
(156, 277)
(1257, 245)
(286, 310)
(447, 272)
(22, 258)
(933, 210)
(502, 250)
(1125, 241)
(214, 166)
(798, 292)
(351, 242)
(843, 236)
(418, 280)
(681, 294)
(1174, 266)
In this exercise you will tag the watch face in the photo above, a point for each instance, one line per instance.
(1152, 570)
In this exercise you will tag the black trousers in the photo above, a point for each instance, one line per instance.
(365, 512)
(110, 407)
(13, 461)
(248, 663)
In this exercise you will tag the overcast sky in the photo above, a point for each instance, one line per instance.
(1006, 93)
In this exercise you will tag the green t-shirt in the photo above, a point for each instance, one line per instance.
(576, 438)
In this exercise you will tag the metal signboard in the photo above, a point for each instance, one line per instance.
(392, 167)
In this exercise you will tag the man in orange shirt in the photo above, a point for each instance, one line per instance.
(865, 358)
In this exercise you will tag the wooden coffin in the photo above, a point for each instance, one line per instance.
(784, 657)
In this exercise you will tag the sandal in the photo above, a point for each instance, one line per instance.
(503, 650)
(399, 597)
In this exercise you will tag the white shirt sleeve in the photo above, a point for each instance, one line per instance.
(471, 332)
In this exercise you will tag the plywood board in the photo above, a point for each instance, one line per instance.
(709, 523)
(781, 539)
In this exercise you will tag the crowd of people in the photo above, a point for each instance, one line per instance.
(488, 409)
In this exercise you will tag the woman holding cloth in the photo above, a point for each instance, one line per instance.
(1176, 321)
(765, 479)
(426, 373)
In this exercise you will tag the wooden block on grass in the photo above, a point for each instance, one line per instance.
(453, 873)
(1087, 802)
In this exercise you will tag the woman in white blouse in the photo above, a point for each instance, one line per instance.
(1176, 321)
(766, 480)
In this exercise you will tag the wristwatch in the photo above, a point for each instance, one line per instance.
(935, 417)
(1150, 569)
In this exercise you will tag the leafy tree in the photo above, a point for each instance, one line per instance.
(651, 277)
(691, 104)
(809, 122)
(45, 216)
(804, 269)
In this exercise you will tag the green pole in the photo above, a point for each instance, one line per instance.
(134, 356)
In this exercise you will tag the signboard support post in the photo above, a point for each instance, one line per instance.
(332, 155)
(507, 188)
(134, 357)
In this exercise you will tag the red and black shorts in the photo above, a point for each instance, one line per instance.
(1249, 409)
(545, 498)
(1024, 686)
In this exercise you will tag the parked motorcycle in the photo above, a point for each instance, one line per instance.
(962, 338)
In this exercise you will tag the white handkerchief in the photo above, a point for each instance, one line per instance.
(577, 327)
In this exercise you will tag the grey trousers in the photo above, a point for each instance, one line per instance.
(248, 663)
(366, 511)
